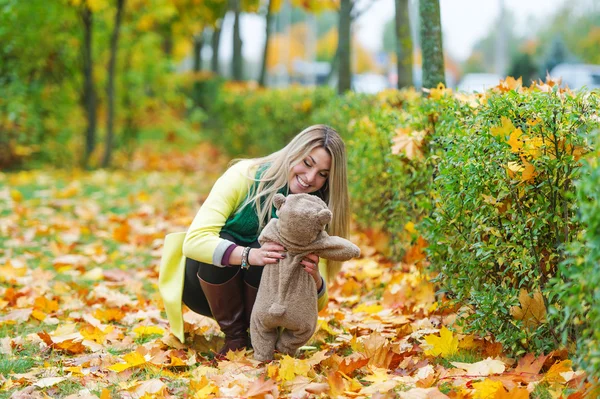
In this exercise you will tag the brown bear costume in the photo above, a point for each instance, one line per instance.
(287, 295)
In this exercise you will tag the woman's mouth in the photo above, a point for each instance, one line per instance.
(301, 182)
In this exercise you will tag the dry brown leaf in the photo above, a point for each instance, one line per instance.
(532, 311)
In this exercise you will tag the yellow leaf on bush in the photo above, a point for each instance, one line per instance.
(408, 142)
(515, 141)
(532, 310)
(444, 345)
(504, 129)
(529, 172)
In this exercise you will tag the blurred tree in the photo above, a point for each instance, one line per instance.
(343, 51)
(348, 13)
(237, 62)
(89, 97)
(272, 6)
(404, 50)
(431, 43)
(557, 53)
(524, 66)
(110, 85)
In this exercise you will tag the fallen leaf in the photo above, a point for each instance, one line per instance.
(444, 345)
(532, 310)
(483, 368)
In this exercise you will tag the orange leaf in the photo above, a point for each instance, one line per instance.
(351, 363)
(532, 310)
(554, 374)
(121, 233)
(111, 314)
(515, 393)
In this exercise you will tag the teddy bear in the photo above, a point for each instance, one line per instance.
(285, 313)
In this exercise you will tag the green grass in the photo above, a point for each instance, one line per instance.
(15, 366)
(541, 391)
(462, 356)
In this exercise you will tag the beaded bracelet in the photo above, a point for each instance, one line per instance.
(245, 264)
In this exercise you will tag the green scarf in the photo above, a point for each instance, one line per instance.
(243, 225)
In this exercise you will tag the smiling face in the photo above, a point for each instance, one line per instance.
(311, 173)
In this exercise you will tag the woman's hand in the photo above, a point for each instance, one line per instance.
(269, 253)
(311, 265)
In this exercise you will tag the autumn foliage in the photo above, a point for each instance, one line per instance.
(81, 318)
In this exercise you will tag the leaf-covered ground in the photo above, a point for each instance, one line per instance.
(80, 314)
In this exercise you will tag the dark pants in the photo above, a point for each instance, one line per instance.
(194, 298)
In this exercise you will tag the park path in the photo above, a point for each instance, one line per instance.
(80, 314)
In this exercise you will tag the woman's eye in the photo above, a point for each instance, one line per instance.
(306, 163)
(324, 175)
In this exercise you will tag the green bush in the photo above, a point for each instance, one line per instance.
(503, 207)
(577, 289)
(392, 157)
(254, 122)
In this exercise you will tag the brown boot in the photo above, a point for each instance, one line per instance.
(249, 299)
(227, 306)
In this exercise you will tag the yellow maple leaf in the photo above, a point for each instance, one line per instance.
(143, 331)
(483, 368)
(132, 359)
(515, 141)
(203, 388)
(515, 393)
(510, 83)
(377, 375)
(370, 308)
(529, 172)
(290, 367)
(532, 147)
(409, 143)
(444, 345)
(506, 127)
(440, 91)
(532, 311)
(555, 372)
(486, 389)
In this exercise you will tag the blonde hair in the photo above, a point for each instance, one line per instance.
(277, 167)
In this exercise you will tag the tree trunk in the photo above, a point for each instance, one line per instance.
(89, 90)
(431, 43)
(237, 61)
(198, 44)
(110, 85)
(215, 41)
(344, 71)
(269, 22)
(404, 48)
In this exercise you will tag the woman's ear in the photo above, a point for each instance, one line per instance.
(325, 216)
(278, 200)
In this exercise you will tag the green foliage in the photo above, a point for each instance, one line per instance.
(257, 122)
(578, 287)
(394, 184)
(503, 208)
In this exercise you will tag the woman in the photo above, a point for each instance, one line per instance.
(219, 259)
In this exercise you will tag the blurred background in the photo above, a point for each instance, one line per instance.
(483, 41)
(76, 73)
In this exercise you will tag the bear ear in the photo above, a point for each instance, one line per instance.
(278, 200)
(324, 216)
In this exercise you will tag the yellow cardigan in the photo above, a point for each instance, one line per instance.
(202, 242)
